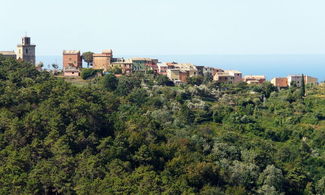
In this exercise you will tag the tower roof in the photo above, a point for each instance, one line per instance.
(71, 52)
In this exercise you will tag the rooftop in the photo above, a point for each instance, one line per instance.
(71, 52)
(7, 53)
(108, 51)
(141, 59)
(233, 71)
(255, 76)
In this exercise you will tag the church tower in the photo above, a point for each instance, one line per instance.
(26, 51)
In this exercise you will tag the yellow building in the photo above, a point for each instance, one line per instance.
(224, 77)
(102, 60)
(173, 74)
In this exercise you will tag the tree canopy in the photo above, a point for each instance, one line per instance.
(131, 135)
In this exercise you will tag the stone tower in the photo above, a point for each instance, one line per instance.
(26, 51)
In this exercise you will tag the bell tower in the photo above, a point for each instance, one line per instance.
(26, 51)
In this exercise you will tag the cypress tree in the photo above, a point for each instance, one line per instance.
(303, 87)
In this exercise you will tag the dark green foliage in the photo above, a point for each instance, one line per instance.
(88, 73)
(132, 136)
(126, 84)
(116, 70)
(164, 80)
(109, 82)
(303, 86)
(195, 80)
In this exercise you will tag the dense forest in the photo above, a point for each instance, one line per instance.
(139, 134)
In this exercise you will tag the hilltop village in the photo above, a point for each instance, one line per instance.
(178, 73)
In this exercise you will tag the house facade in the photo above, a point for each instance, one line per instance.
(295, 80)
(311, 80)
(280, 82)
(162, 68)
(224, 77)
(254, 79)
(238, 76)
(8, 54)
(72, 58)
(103, 60)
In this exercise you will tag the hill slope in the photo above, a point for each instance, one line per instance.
(137, 137)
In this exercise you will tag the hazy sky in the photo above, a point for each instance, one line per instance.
(162, 27)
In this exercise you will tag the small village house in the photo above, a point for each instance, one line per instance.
(311, 80)
(124, 65)
(280, 82)
(8, 54)
(236, 74)
(254, 79)
(173, 74)
(295, 80)
(224, 77)
(144, 64)
(162, 68)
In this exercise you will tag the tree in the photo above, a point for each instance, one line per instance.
(272, 177)
(195, 80)
(207, 78)
(40, 64)
(126, 84)
(87, 73)
(116, 70)
(55, 66)
(164, 80)
(303, 86)
(88, 57)
(110, 82)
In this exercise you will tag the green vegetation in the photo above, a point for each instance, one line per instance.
(88, 57)
(134, 135)
(87, 73)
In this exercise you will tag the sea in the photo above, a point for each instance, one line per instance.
(269, 65)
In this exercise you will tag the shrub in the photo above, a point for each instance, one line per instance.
(88, 73)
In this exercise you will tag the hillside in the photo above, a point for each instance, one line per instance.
(135, 135)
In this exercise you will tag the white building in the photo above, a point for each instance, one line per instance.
(297, 80)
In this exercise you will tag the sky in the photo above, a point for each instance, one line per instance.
(166, 27)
